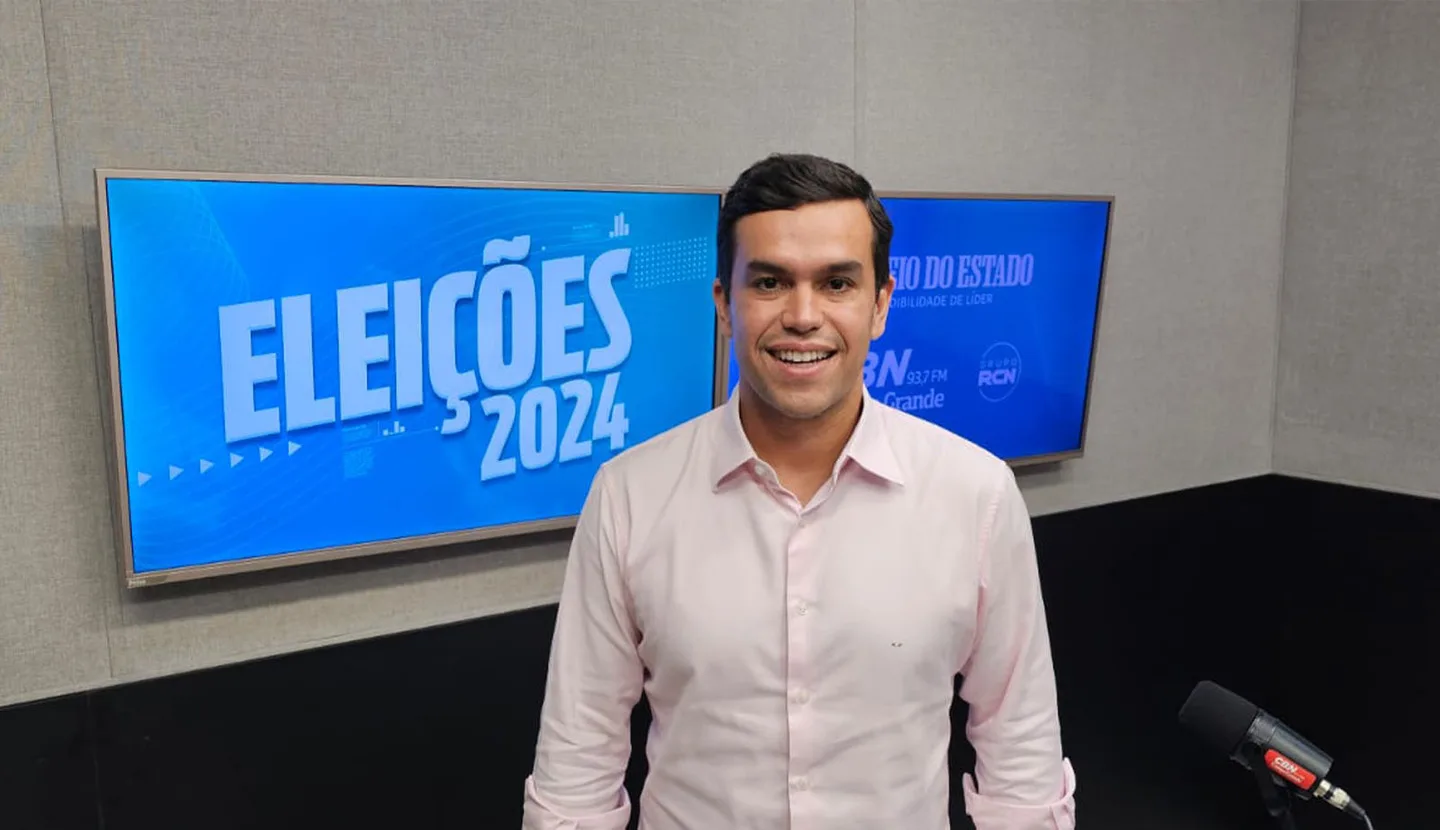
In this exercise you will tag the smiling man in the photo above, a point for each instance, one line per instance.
(796, 579)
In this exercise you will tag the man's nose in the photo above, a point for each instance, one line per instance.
(802, 310)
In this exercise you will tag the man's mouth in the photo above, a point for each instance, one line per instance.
(800, 358)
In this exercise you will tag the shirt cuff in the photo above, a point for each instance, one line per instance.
(991, 814)
(541, 816)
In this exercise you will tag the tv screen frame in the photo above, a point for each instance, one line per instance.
(1029, 461)
(107, 338)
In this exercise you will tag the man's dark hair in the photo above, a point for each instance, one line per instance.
(784, 181)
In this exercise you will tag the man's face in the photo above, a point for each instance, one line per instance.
(803, 306)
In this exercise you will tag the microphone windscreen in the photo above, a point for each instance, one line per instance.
(1217, 716)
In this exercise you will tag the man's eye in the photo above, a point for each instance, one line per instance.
(839, 284)
(767, 283)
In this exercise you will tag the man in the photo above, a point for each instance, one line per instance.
(796, 578)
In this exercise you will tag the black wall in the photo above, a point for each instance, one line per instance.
(1315, 601)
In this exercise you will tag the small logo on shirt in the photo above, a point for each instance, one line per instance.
(999, 372)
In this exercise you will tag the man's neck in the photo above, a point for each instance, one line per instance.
(802, 452)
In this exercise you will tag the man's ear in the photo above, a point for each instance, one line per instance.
(722, 308)
(882, 307)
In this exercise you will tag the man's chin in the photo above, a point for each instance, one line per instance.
(801, 407)
(791, 413)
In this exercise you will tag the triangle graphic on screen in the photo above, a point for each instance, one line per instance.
(141, 478)
(235, 459)
(205, 465)
(264, 453)
(175, 471)
(293, 447)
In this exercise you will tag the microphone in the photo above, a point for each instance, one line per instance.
(1256, 740)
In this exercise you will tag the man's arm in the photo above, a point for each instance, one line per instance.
(1024, 780)
(595, 680)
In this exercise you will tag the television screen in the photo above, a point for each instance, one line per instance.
(992, 324)
(308, 368)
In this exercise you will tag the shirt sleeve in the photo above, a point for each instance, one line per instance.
(1022, 780)
(594, 681)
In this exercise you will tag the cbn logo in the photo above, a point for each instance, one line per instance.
(999, 372)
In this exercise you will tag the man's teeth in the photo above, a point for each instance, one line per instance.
(800, 357)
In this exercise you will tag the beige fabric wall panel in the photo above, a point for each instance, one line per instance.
(1359, 379)
(53, 526)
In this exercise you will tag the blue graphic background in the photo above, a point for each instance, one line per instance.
(182, 249)
(1050, 323)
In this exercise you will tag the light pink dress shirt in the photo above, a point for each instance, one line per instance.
(800, 660)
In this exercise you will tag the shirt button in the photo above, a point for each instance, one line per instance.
(802, 608)
(800, 783)
(801, 696)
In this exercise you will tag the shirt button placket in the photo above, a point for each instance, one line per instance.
(799, 564)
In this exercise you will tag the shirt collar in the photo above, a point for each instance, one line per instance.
(869, 446)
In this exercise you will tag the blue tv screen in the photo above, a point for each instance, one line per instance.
(312, 368)
(992, 324)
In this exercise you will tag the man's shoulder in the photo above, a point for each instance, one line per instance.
(937, 453)
(663, 454)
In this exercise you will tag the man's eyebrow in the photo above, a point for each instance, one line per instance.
(843, 267)
(761, 266)
(849, 266)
